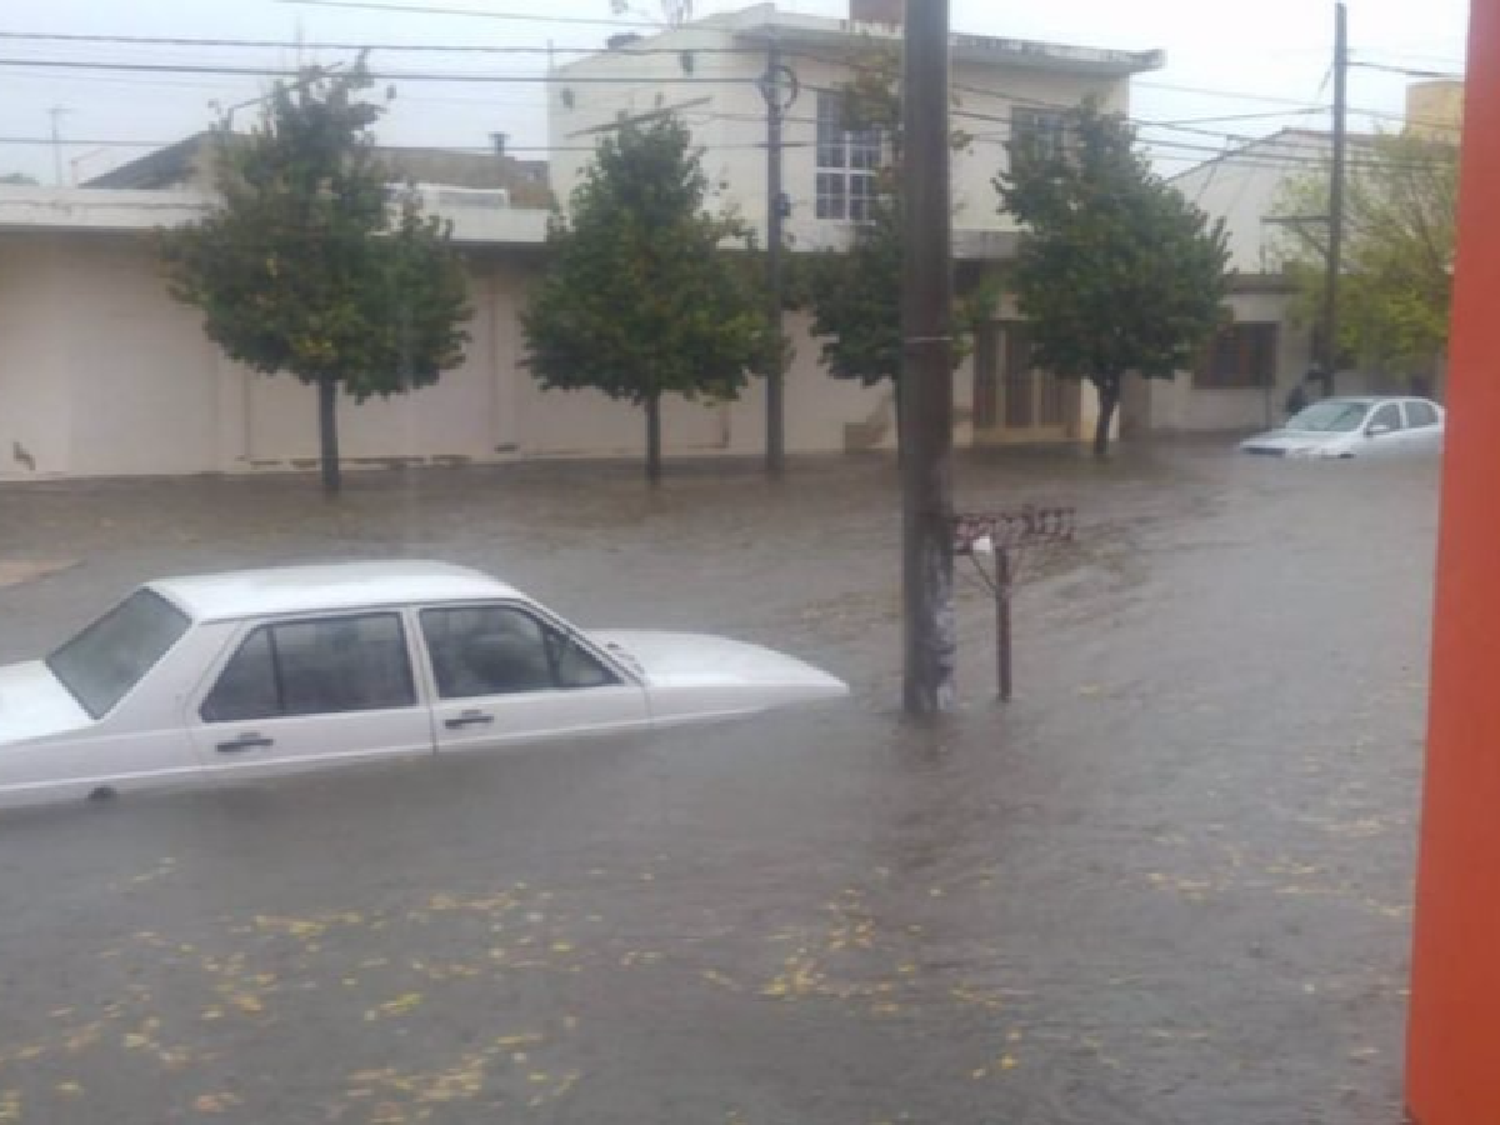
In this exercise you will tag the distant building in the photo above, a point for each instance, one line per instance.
(189, 164)
(1243, 378)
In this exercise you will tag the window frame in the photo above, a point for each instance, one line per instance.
(846, 164)
(249, 628)
(550, 625)
(1258, 340)
(1030, 124)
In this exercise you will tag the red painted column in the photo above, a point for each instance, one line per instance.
(1453, 1065)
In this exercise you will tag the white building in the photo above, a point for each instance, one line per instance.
(709, 73)
(102, 373)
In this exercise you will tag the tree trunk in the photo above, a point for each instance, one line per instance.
(328, 435)
(1109, 400)
(653, 439)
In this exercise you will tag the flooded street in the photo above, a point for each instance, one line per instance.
(1168, 885)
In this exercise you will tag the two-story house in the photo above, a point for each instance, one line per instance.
(711, 72)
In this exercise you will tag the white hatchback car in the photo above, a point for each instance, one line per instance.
(1341, 428)
(264, 672)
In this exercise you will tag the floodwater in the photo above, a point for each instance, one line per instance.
(1168, 885)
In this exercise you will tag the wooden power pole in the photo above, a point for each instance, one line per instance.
(1330, 349)
(926, 387)
(777, 93)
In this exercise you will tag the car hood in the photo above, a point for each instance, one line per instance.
(1288, 440)
(33, 704)
(692, 660)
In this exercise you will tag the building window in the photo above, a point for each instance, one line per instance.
(1038, 134)
(1241, 357)
(848, 163)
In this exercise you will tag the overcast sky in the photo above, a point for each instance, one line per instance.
(1265, 53)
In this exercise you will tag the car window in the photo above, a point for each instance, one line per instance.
(328, 666)
(1421, 414)
(247, 687)
(1388, 415)
(501, 650)
(102, 663)
(575, 666)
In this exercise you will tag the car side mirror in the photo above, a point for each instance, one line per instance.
(1377, 429)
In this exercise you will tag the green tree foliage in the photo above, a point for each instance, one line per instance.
(308, 267)
(641, 299)
(18, 179)
(1117, 272)
(854, 295)
(1400, 238)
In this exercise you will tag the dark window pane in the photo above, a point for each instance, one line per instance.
(102, 663)
(1420, 414)
(343, 664)
(1240, 357)
(247, 687)
(1388, 415)
(486, 650)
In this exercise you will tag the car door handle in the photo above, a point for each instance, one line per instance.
(245, 742)
(469, 719)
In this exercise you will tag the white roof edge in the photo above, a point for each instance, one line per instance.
(761, 22)
(124, 211)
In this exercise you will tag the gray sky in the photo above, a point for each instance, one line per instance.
(1259, 52)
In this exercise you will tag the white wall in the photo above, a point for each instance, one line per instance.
(727, 118)
(35, 392)
(1178, 406)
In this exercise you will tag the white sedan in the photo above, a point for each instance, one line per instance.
(264, 672)
(1341, 428)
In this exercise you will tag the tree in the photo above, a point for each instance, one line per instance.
(641, 300)
(19, 179)
(1116, 271)
(307, 265)
(1400, 238)
(854, 295)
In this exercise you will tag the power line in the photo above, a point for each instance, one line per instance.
(510, 150)
(415, 9)
(1409, 72)
(381, 76)
(430, 48)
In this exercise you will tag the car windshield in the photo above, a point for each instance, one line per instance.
(109, 657)
(1330, 417)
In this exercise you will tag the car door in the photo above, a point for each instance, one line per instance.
(1424, 431)
(1385, 432)
(503, 674)
(308, 691)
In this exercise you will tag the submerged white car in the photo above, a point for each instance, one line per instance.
(1341, 428)
(263, 672)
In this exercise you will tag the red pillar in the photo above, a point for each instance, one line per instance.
(1453, 1064)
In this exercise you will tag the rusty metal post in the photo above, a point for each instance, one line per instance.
(1002, 620)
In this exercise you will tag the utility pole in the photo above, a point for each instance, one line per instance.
(926, 386)
(1330, 347)
(779, 98)
(57, 113)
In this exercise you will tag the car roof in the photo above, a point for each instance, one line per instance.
(338, 586)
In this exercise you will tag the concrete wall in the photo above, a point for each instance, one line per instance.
(102, 373)
(1180, 407)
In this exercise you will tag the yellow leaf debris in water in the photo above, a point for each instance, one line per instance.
(399, 1006)
(215, 1103)
(68, 1089)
